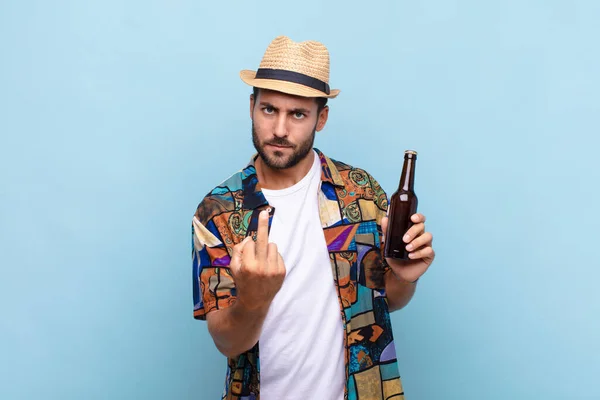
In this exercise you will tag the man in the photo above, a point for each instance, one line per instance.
(287, 252)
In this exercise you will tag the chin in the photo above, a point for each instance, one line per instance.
(277, 163)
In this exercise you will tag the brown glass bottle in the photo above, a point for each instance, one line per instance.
(403, 204)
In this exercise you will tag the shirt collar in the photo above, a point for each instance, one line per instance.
(251, 189)
(329, 172)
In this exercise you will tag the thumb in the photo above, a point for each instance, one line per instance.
(384, 224)
(236, 256)
(243, 243)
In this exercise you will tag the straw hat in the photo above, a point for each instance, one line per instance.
(298, 68)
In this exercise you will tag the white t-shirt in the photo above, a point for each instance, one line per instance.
(302, 342)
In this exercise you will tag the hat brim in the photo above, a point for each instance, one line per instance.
(249, 77)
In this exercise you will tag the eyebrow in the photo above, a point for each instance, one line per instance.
(293, 110)
(301, 110)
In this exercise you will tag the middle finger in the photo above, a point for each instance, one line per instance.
(262, 236)
(413, 232)
(424, 239)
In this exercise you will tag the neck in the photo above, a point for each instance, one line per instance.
(277, 179)
(407, 179)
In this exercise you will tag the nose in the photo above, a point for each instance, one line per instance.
(280, 127)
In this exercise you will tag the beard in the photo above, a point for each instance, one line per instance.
(279, 161)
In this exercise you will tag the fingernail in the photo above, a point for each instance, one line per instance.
(409, 247)
(411, 255)
(406, 238)
(263, 213)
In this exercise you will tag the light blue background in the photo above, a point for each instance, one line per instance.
(116, 118)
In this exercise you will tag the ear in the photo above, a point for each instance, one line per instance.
(252, 99)
(322, 118)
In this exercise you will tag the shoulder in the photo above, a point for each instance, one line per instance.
(359, 181)
(223, 198)
(355, 176)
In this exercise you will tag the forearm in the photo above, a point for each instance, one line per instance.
(399, 292)
(236, 329)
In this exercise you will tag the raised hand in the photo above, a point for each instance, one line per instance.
(419, 244)
(257, 268)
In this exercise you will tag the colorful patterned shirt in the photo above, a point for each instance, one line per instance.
(351, 206)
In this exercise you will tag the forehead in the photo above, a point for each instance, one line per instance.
(284, 100)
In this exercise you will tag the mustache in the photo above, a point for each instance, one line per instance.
(280, 142)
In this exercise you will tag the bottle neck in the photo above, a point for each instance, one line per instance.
(407, 179)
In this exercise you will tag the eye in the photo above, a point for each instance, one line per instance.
(268, 110)
(298, 115)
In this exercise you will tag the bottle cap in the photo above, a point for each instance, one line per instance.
(410, 152)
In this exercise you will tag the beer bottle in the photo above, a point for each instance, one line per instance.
(403, 204)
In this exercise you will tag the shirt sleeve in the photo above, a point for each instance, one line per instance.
(213, 285)
(380, 199)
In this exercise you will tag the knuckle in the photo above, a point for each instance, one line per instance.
(233, 269)
(238, 268)
(250, 265)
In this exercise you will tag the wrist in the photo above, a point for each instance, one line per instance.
(252, 307)
(401, 279)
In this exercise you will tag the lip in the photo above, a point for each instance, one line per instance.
(279, 147)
